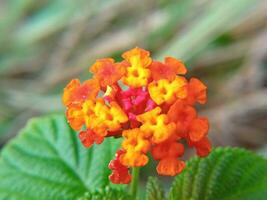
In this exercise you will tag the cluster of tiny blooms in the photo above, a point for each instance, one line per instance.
(150, 104)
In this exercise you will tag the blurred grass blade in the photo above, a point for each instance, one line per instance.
(51, 18)
(217, 19)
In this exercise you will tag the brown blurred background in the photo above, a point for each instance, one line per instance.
(45, 43)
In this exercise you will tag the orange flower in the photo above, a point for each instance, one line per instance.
(169, 148)
(89, 137)
(168, 152)
(179, 111)
(168, 70)
(120, 173)
(188, 125)
(75, 116)
(156, 125)
(170, 166)
(148, 103)
(197, 92)
(182, 115)
(198, 129)
(203, 146)
(165, 91)
(76, 93)
(137, 57)
(107, 72)
(138, 73)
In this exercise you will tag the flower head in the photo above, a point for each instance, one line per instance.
(150, 104)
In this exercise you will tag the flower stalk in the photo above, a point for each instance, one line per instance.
(134, 183)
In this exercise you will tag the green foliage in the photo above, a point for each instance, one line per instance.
(46, 161)
(154, 190)
(106, 194)
(227, 174)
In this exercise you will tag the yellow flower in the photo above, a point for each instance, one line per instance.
(137, 73)
(102, 118)
(136, 146)
(168, 91)
(156, 125)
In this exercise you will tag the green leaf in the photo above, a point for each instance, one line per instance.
(154, 190)
(226, 174)
(47, 161)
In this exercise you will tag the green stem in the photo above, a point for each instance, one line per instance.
(134, 183)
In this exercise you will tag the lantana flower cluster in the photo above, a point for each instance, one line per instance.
(150, 104)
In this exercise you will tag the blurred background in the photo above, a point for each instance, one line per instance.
(45, 43)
